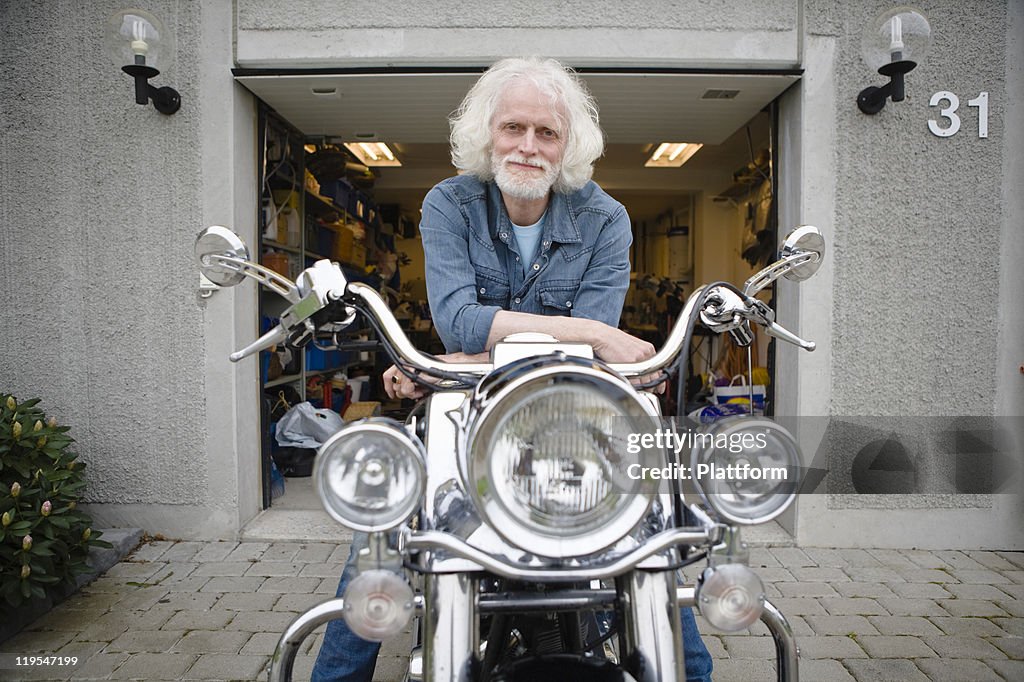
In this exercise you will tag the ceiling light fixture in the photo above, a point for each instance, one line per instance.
(672, 154)
(373, 153)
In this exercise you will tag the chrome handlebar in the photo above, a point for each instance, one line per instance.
(723, 310)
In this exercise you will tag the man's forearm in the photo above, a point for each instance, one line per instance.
(568, 329)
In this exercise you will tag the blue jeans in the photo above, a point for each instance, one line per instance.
(346, 657)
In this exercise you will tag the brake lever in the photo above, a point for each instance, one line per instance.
(279, 334)
(765, 316)
(273, 337)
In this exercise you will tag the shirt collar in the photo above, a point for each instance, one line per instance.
(560, 225)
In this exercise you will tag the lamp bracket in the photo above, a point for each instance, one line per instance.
(166, 100)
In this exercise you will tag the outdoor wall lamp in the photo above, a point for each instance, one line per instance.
(139, 42)
(893, 44)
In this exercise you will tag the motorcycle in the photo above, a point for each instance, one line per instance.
(539, 497)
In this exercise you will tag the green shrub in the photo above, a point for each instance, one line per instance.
(44, 539)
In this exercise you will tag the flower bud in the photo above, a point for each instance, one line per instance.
(46, 508)
(72, 504)
(86, 534)
(11, 404)
(16, 429)
(26, 543)
(51, 422)
(15, 489)
(41, 442)
(6, 519)
(38, 426)
(25, 571)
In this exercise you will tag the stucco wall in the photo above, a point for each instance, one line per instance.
(101, 200)
(918, 297)
(682, 32)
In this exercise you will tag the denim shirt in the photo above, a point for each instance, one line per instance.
(473, 268)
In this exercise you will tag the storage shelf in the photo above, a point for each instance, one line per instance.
(283, 247)
(329, 370)
(321, 203)
(284, 379)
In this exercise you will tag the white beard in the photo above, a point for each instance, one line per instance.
(517, 185)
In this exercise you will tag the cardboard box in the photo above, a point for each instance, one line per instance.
(359, 410)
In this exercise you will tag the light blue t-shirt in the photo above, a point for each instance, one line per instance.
(528, 241)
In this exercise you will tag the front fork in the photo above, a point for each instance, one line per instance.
(651, 639)
(451, 632)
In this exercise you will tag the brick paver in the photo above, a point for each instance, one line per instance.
(958, 671)
(885, 670)
(214, 611)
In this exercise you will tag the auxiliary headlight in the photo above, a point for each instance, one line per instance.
(549, 460)
(370, 476)
(746, 468)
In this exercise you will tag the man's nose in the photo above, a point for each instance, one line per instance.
(528, 142)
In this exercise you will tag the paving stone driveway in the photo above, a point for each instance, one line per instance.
(214, 611)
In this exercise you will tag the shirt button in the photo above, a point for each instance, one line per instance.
(517, 300)
(568, 304)
(504, 235)
(517, 259)
(536, 266)
(483, 290)
(546, 243)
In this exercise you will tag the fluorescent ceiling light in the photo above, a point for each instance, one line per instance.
(672, 154)
(373, 153)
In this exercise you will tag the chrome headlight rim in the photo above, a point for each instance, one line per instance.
(484, 416)
(409, 444)
(749, 424)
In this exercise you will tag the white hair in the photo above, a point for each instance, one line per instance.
(574, 107)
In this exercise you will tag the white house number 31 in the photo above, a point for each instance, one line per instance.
(949, 113)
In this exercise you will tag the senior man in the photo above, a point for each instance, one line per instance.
(522, 240)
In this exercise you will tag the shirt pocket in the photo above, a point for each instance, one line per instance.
(557, 297)
(491, 288)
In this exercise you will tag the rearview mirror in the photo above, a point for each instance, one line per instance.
(800, 257)
(803, 239)
(220, 241)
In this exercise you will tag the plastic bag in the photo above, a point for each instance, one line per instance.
(304, 426)
(740, 393)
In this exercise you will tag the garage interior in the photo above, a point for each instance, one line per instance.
(712, 218)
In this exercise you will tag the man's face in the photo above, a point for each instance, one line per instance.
(527, 143)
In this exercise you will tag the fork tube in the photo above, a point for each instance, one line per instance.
(652, 641)
(451, 640)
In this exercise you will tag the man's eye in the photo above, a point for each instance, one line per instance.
(550, 134)
(512, 126)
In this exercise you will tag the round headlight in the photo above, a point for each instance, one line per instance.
(549, 460)
(746, 468)
(370, 476)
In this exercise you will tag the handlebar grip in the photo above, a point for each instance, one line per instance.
(273, 337)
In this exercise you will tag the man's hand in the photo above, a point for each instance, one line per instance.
(616, 346)
(397, 385)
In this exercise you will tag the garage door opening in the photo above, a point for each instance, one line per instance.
(712, 218)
